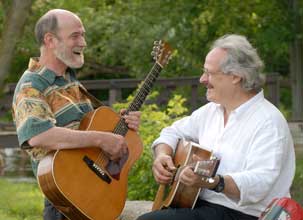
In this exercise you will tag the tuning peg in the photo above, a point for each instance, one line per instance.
(210, 180)
(157, 47)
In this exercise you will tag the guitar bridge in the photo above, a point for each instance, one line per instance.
(97, 169)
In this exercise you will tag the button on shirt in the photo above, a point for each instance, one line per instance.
(255, 147)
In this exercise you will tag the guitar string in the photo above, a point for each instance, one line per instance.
(121, 127)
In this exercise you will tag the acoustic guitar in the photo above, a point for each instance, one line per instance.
(84, 183)
(176, 194)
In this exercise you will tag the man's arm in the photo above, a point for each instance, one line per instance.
(163, 164)
(64, 138)
(189, 178)
(231, 189)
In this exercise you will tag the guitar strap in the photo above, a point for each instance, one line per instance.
(95, 102)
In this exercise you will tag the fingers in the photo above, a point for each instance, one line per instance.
(132, 119)
(161, 177)
(114, 146)
(163, 169)
(189, 178)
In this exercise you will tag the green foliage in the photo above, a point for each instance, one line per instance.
(24, 201)
(297, 190)
(141, 182)
(20, 201)
(121, 33)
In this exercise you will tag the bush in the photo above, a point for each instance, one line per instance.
(141, 182)
(142, 185)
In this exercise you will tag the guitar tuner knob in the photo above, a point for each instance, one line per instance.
(210, 180)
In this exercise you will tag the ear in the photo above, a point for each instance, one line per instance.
(236, 79)
(49, 40)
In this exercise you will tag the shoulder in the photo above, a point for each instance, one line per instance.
(32, 84)
(269, 118)
(271, 113)
(33, 79)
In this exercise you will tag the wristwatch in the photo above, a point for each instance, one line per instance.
(220, 186)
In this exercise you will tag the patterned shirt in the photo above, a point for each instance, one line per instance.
(43, 100)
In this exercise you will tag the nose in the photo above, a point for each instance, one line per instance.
(203, 79)
(82, 42)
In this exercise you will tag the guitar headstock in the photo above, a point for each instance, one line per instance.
(161, 52)
(207, 169)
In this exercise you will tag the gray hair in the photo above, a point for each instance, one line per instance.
(47, 23)
(241, 60)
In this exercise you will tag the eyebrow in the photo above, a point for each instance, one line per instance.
(205, 69)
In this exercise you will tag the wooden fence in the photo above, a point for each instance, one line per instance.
(112, 90)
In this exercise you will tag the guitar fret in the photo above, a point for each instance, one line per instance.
(140, 97)
(97, 162)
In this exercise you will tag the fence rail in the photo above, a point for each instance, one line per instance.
(113, 90)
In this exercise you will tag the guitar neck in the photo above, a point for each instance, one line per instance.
(145, 88)
(140, 97)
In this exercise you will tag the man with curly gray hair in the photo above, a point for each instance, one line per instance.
(242, 128)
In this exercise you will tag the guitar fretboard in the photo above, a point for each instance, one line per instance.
(140, 97)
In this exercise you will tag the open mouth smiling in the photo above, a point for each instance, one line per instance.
(77, 53)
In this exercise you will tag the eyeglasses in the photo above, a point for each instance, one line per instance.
(208, 73)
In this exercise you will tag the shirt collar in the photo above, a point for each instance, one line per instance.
(249, 103)
(246, 105)
(47, 74)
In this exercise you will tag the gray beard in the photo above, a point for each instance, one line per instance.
(62, 56)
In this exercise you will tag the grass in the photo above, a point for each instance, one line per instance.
(24, 201)
(20, 200)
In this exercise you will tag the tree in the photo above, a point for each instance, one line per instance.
(120, 35)
(296, 62)
(16, 14)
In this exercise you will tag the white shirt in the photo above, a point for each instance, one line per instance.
(255, 147)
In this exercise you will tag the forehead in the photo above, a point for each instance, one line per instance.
(69, 24)
(214, 58)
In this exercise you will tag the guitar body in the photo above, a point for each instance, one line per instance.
(83, 183)
(177, 194)
(74, 188)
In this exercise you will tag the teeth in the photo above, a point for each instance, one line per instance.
(77, 50)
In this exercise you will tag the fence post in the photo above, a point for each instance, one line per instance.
(114, 95)
(194, 97)
(273, 86)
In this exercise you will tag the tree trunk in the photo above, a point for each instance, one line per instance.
(13, 27)
(296, 65)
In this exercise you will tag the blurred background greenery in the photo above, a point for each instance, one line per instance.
(120, 35)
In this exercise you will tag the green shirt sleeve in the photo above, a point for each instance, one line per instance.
(32, 114)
